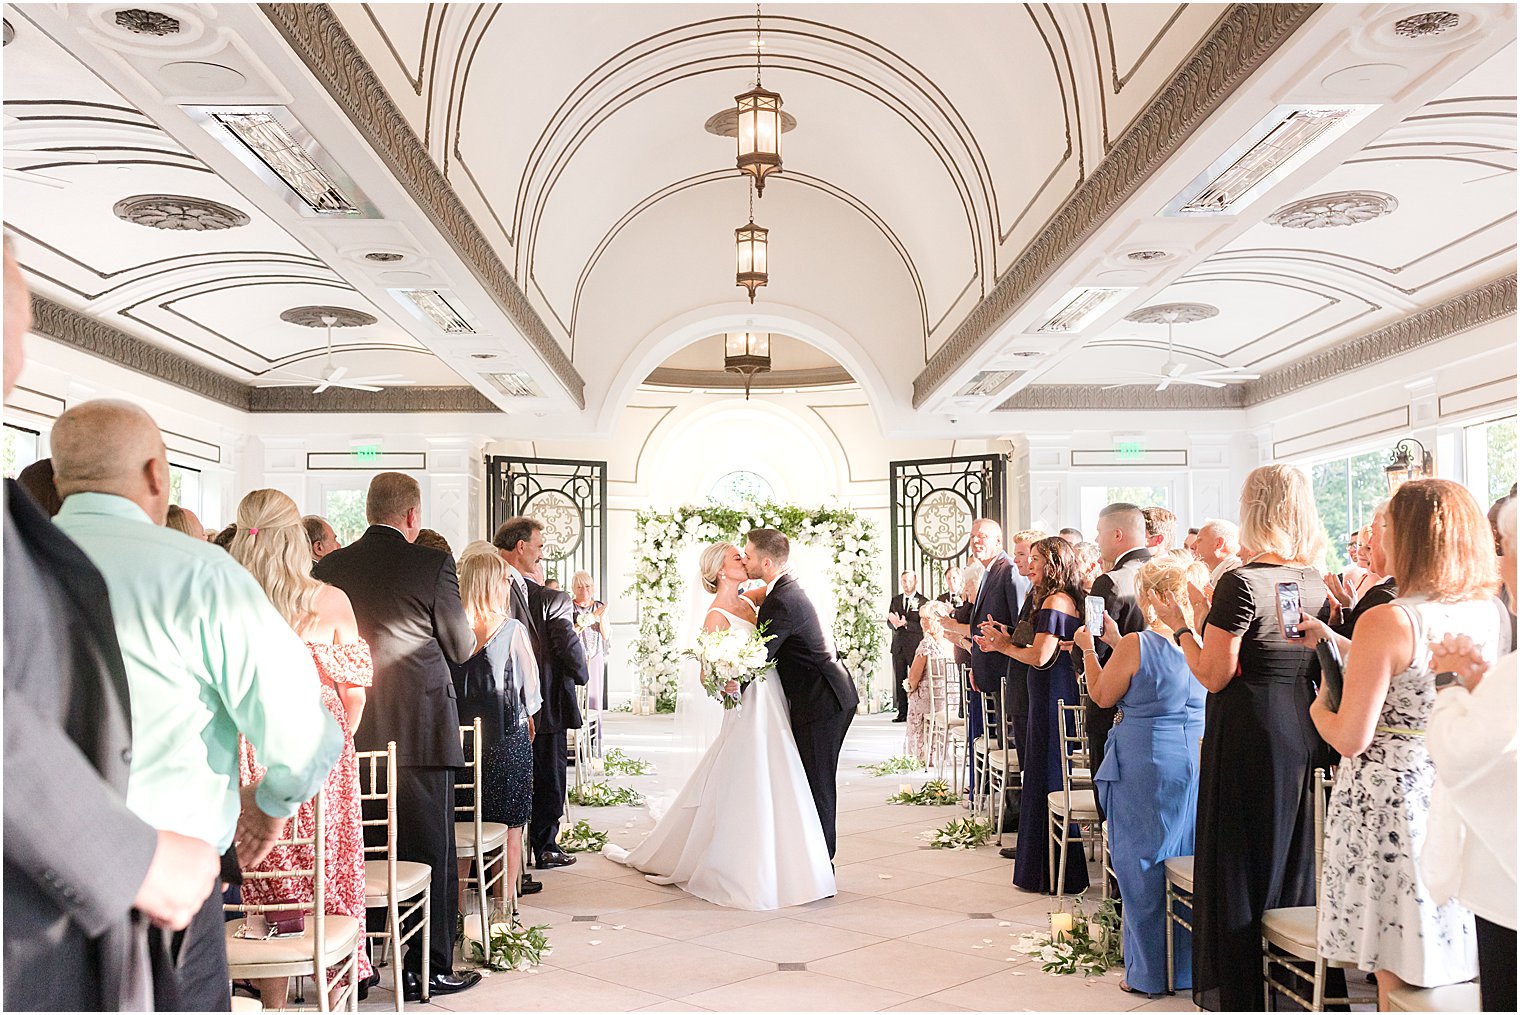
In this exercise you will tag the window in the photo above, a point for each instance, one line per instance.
(1093, 499)
(185, 487)
(1490, 459)
(21, 449)
(344, 511)
(742, 487)
(1345, 492)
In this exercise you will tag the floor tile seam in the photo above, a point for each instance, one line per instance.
(830, 976)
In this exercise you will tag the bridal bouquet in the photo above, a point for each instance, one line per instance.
(729, 655)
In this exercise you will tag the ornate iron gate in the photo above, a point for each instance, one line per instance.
(569, 498)
(934, 502)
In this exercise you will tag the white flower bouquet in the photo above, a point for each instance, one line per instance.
(728, 656)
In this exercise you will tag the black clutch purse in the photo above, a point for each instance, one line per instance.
(1330, 675)
(1022, 634)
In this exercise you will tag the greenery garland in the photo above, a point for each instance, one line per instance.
(934, 793)
(1091, 947)
(659, 589)
(618, 763)
(960, 833)
(603, 794)
(513, 946)
(581, 838)
(897, 765)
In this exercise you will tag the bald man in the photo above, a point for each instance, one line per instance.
(207, 658)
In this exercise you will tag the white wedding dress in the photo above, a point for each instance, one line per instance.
(743, 832)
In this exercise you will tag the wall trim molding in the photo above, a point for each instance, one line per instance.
(316, 35)
(1240, 42)
(817, 377)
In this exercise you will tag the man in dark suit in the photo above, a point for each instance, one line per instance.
(1122, 542)
(83, 874)
(550, 619)
(907, 635)
(406, 599)
(820, 695)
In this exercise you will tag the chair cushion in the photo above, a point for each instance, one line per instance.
(1084, 805)
(1292, 930)
(997, 759)
(244, 956)
(411, 879)
(240, 1003)
(1456, 997)
(1179, 871)
(492, 832)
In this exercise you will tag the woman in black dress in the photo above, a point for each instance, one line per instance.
(499, 685)
(1255, 838)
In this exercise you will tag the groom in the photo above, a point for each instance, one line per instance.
(818, 689)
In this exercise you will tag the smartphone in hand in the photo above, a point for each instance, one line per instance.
(1094, 612)
(1290, 611)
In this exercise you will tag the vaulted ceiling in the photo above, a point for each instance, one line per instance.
(956, 172)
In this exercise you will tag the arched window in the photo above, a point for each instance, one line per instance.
(740, 487)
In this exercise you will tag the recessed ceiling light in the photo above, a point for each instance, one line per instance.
(482, 355)
(280, 150)
(1081, 307)
(1147, 255)
(514, 384)
(989, 382)
(435, 306)
(383, 256)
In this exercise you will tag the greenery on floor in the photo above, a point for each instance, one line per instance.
(513, 946)
(1091, 947)
(895, 766)
(961, 833)
(934, 793)
(617, 763)
(603, 794)
(582, 838)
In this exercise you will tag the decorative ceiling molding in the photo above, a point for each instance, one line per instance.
(84, 332)
(316, 35)
(1461, 313)
(1242, 39)
(675, 377)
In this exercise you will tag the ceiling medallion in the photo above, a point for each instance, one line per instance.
(1147, 255)
(1420, 26)
(1173, 313)
(144, 22)
(758, 126)
(10, 33)
(325, 317)
(178, 212)
(384, 256)
(1326, 211)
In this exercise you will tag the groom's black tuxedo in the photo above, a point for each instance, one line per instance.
(819, 692)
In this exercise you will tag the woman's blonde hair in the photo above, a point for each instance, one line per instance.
(1277, 515)
(483, 585)
(711, 564)
(1168, 574)
(270, 541)
(475, 547)
(1441, 544)
(581, 578)
(933, 615)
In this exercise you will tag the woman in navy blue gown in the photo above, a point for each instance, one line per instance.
(1052, 681)
(1148, 784)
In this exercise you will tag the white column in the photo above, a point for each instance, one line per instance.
(284, 469)
(453, 501)
(1050, 483)
(1213, 491)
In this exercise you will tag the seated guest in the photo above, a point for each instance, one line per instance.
(1072, 536)
(1160, 529)
(1470, 851)
(182, 519)
(271, 542)
(207, 658)
(1375, 912)
(1218, 546)
(321, 536)
(1149, 778)
(499, 685)
(921, 676)
(37, 480)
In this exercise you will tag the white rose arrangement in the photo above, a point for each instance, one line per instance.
(730, 656)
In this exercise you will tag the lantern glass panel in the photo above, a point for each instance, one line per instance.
(760, 344)
(735, 344)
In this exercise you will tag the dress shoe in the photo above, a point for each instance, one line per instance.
(1006, 852)
(900, 718)
(551, 858)
(438, 983)
(530, 887)
(373, 980)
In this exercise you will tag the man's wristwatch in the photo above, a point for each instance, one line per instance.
(1177, 635)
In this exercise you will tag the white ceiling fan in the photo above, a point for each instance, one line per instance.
(1174, 371)
(335, 377)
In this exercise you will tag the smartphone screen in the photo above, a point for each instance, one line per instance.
(1289, 610)
(1095, 616)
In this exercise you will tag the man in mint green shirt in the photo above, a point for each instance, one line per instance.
(207, 657)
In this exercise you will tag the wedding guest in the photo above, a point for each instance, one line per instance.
(182, 519)
(1218, 547)
(406, 600)
(922, 676)
(1190, 541)
(1149, 778)
(499, 685)
(907, 632)
(1470, 850)
(1160, 529)
(1051, 683)
(1376, 912)
(1089, 565)
(1072, 536)
(1016, 681)
(963, 615)
(590, 616)
(1122, 545)
(320, 534)
(271, 542)
(552, 584)
(207, 658)
(951, 597)
(83, 872)
(433, 540)
(1255, 831)
(1385, 591)
(37, 480)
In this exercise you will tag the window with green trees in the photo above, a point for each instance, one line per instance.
(1346, 490)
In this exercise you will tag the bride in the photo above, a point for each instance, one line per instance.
(743, 832)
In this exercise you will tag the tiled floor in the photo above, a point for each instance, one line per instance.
(912, 929)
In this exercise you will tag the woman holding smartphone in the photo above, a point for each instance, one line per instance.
(1052, 681)
(1255, 834)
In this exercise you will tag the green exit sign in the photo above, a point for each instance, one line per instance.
(1129, 451)
(367, 454)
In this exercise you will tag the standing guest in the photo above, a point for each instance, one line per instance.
(1089, 565)
(549, 616)
(406, 600)
(1160, 529)
(1470, 851)
(1255, 831)
(907, 632)
(590, 616)
(1149, 778)
(207, 658)
(1356, 566)
(1190, 541)
(1052, 683)
(223, 538)
(271, 543)
(922, 678)
(433, 540)
(37, 480)
(320, 534)
(962, 616)
(951, 597)
(1218, 546)
(1376, 911)
(1385, 591)
(552, 584)
(78, 861)
(1072, 536)
(183, 520)
(1016, 681)
(499, 686)
(1122, 545)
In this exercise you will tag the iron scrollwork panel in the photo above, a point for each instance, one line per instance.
(570, 499)
(934, 502)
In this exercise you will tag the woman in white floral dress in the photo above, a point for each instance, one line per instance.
(1374, 909)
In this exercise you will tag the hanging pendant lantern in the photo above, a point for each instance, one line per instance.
(751, 247)
(759, 123)
(747, 353)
